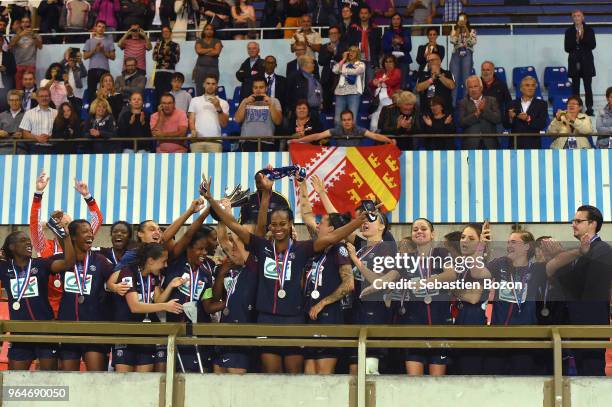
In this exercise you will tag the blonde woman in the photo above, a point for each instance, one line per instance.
(463, 38)
(351, 83)
(100, 125)
(107, 90)
(572, 122)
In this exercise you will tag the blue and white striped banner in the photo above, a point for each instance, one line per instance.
(444, 186)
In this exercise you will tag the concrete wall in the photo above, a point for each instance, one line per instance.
(255, 390)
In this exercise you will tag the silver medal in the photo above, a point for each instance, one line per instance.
(282, 293)
(402, 311)
(81, 299)
(226, 311)
(427, 300)
(545, 312)
(146, 319)
(459, 305)
(57, 283)
(16, 306)
(484, 306)
(315, 294)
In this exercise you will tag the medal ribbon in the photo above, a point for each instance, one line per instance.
(193, 287)
(428, 271)
(146, 299)
(22, 289)
(232, 287)
(82, 279)
(282, 274)
(523, 281)
(319, 268)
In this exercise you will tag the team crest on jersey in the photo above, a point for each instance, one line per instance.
(119, 353)
(160, 354)
(92, 268)
(292, 256)
(34, 271)
(343, 251)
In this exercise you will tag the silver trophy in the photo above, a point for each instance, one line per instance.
(237, 198)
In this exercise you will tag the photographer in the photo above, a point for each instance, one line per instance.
(74, 67)
(435, 81)
(135, 43)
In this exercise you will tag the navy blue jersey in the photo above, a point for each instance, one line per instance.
(34, 304)
(241, 287)
(387, 237)
(109, 253)
(328, 275)
(269, 268)
(138, 284)
(94, 292)
(202, 288)
(436, 260)
(516, 306)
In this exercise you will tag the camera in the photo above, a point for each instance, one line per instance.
(259, 98)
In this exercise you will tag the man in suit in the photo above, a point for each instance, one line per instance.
(304, 85)
(478, 114)
(252, 66)
(7, 72)
(579, 44)
(528, 114)
(299, 49)
(329, 55)
(28, 83)
(586, 285)
(276, 84)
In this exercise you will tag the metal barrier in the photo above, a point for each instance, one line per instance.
(136, 140)
(340, 336)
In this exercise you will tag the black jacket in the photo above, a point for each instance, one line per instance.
(422, 61)
(580, 58)
(353, 37)
(133, 13)
(297, 88)
(8, 76)
(245, 72)
(500, 92)
(538, 113)
(327, 60)
(292, 67)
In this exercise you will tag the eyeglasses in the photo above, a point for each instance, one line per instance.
(579, 221)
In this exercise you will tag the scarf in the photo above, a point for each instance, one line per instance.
(351, 79)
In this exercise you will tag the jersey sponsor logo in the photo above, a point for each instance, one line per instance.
(71, 286)
(128, 281)
(31, 291)
(343, 251)
(271, 272)
(186, 287)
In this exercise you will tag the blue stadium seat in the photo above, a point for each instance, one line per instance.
(191, 91)
(150, 100)
(236, 97)
(559, 103)
(500, 73)
(411, 81)
(554, 75)
(221, 92)
(559, 90)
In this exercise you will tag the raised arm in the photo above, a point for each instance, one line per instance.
(306, 210)
(338, 234)
(92, 206)
(319, 188)
(36, 231)
(171, 231)
(262, 215)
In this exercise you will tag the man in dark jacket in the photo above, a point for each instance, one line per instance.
(7, 73)
(528, 114)
(494, 87)
(478, 114)
(252, 67)
(304, 85)
(275, 83)
(329, 55)
(579, 44)
(133, 12)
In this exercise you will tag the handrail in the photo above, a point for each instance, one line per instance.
(135, 140)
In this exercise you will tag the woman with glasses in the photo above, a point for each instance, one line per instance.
(573, 123)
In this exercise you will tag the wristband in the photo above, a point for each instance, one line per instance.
(38, 194)
(87, 197)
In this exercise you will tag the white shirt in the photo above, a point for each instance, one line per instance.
(206, 116)
(525, 104)
(38, 121)
(477, 101)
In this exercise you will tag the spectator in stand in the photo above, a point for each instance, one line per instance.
(367, 37)
(216, 12)
(259, 115)
(478, 114)
(56, 80)
(401, 119)
(169, 121)
(77, 16)
(7, 74)
(435, 81)
(307, 36)
(272, 17)
(134, 122)
(452, 9)
(572, 122)
(276, 85)
(396, 41)
(382, 11)
(100, 49)
(494, 87)
(133, 12)
(106, 10)
(294, 10)
(131, 79)
(354, 5)
(67, 125)
(9, 123)
(528, 114)
(604, 122)
(346, 19)
(303, 122)
(166, 55)
(182, 98)
(324, 13)
(208, 114)
(209, 49)
(252, 67)
(463, 38)
(243, 16)
(579, 44)
(304, 85)
(135, 43)
(386, 82)
(49, 12)
(431, 47)
(24, 45)
(329, 55)
(100, 125)
(351, 83)
(299, 49)
(37, 123)
(28, 86)
(347, 128)
(4, 40)
(166, 13)
(423, 12)
(106, 90)
(74, 67)
(438, 122)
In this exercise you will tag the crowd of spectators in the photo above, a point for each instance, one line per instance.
(356, 66)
